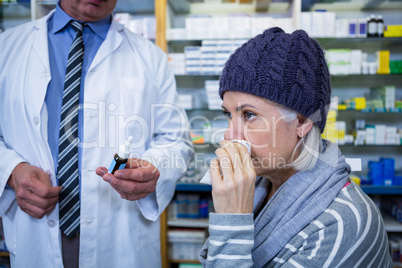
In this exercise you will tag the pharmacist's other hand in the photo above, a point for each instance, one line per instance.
(33, 190)
(233, 191)
(136, 181)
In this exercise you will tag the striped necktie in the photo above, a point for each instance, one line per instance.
(69, 201)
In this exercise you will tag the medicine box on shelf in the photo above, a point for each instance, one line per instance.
(185, 244)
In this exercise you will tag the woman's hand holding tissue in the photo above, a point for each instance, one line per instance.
(233, 191)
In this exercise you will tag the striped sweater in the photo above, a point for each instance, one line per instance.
(349, 233)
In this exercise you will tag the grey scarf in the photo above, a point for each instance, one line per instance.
(301, 199)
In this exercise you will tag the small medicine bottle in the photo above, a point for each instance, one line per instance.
(372, 26)
(120, 159)
(380, 26)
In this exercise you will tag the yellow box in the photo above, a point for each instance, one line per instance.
(360, 103)
(342, 107)
(383, 62)
(393, 31)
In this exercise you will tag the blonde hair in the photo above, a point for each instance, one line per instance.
(308, 148)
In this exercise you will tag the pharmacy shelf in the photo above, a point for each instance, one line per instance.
(193, 187)
(207, 144)
(47, 3)
(4, 254)
(370, 111)
(6, 4)
(337, 81)
(371, 146)
(190, 223)
(383, 190)
(184, 261)
(370, 43)
(323, 41)
(391, 225)
(332, 76)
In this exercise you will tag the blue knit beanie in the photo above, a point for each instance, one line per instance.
(289, 69)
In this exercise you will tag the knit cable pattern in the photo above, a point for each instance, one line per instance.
(289, 69)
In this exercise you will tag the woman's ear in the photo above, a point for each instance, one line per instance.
(303, 127)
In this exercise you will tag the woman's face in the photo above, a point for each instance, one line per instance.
(88, 10)
(258, 121)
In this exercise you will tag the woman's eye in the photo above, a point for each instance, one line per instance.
(249, 115)
(227, 114)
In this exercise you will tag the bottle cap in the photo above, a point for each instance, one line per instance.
(379, 17)
(124, 149)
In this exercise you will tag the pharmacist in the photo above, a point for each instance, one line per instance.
(288, 203)
(62, 119)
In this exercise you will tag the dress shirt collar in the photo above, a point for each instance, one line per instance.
(61, 20)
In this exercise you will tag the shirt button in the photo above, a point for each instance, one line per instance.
(36, 120)
(51, 223)
(45, 73)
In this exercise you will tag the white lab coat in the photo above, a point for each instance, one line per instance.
(128, 75)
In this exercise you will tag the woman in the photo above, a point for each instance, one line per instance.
(289, 203)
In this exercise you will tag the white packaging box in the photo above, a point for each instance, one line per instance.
(338, 55)
(391, 135)
(239, 27)
(177, 63)
(220, 28)
(286, 24)
(339, 68)
(225, 46)
(355, 61)
(197, 27)
(207, 69)
(209, 45)
(361, 136)
(149, 28)
(193, 66)
(192, 52)
(305, 22)
(260, 24)
(362, 27)
(380, 134)
(318, 27)
(185, 245)
(212, 90)
(370, 136)
(389, 96)
(352, 28)
(341, 28)
(186, 101)
(330, 25)
(338, 61)
(176, 34)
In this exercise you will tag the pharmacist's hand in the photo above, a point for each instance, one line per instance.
(33, 190)
(136, 181)
(233, 192)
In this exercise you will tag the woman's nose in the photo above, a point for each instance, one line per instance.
(234, 132)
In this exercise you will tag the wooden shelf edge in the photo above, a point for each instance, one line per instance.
(4, 254)
(184, 261)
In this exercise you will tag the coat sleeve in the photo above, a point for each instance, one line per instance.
(230, 242)
(9, 159)
(171, 146)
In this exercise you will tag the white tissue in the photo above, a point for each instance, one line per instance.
(207, 177)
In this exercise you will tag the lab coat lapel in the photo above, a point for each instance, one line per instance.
(111, 43)
(38, 72)
(35, 87)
